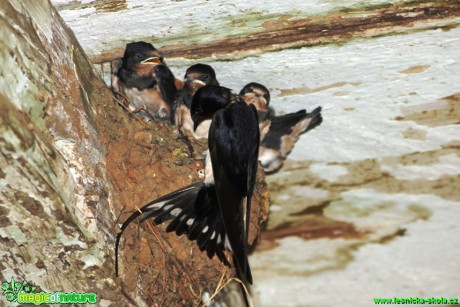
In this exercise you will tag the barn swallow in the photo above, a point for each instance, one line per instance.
(206, 101)
(145, 81)
(282, 135)
(258, 95)
(216, 212)
(278, 133)
(196, 76)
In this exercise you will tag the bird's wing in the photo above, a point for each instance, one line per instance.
(283, 134)
(166, 82)
(292, 124)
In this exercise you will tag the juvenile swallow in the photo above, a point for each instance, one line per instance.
(195, 78)
(278, 133)
(216, 212)
(145, 81)
(282, 135)
(258, 95)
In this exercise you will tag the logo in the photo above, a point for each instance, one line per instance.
(23, 293)
(12, 289)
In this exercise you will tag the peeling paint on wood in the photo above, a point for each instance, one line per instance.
(234, 29)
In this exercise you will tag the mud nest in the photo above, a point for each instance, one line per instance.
(146, 160)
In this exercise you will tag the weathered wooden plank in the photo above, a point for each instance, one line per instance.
(234, 30)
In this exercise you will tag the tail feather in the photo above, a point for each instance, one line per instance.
(196, 228)
(210, 233)
(220, 254)
(183, 224)
(211, 246)
(316, 118)
(192, 210)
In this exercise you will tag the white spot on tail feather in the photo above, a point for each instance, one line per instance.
(205, 229)
(227, 244)
(156, 205)
(176, 211)
(190, 221)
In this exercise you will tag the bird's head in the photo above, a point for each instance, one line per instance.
(199, 75)
(208, 100)
(141, 58)
(256, 94)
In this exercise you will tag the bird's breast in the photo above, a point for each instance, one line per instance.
(150, 99)
(202, 131)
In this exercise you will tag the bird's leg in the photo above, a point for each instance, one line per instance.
(121, 99)
(143, 108)
(187, 142)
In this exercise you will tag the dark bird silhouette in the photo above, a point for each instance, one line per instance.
(144, 82)
(278, 133)
(215, 212)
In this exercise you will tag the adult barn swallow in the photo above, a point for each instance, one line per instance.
(205, 103)
(196, 77)
(145, 81)
(278, 133)
(213, 212)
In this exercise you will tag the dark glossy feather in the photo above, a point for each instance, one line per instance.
(165, 79)
(233, 146)
(194, 207)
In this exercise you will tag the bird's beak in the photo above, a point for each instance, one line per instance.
(152, 61)
(194, 81)
(199, 82)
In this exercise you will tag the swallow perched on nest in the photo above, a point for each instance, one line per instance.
(278, 133)
(144, 82)
(216, 212)
(206, 101)
(195, 78)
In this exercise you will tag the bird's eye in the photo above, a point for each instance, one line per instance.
(138, 57)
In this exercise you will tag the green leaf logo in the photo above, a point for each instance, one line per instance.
(12, 289)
